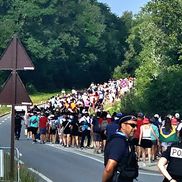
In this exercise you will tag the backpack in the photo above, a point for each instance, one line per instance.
(127, 168)
(53, 125)
(34, 121)
(96, 127)
(103, 125)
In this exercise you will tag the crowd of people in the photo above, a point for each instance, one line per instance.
(73, 118)
(78, 119)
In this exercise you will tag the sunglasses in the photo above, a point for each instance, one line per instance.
(131, 124)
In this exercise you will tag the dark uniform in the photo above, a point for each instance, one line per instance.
(18, 125)
(174, 156)
(117, 149)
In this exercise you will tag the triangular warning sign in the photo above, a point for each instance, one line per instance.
(7, 92)
(15, 57)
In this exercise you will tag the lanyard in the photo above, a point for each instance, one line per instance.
(120, 133)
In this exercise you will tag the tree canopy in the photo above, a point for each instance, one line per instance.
(71, 42)
(154, 57)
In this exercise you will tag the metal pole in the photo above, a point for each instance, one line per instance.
(14, 74)
(18, 163)
(12, 130)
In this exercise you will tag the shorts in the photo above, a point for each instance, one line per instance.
(53, 131)
(135, 141)
(103, 136)
(42, 131)
(96, 137)
(146, 143)
(29, 129)
(34, 130)
(75, 133)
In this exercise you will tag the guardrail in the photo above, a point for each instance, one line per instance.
(5, 165)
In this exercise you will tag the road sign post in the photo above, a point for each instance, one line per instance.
(14, 58)
(1, 164)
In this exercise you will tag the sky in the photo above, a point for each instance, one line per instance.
(119, 6)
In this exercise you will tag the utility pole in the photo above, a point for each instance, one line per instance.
(14, 93)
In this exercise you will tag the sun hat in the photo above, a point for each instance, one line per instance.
(177, 115)
(146, 121)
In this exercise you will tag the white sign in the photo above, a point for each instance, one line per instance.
(176, 152)
(1, 163)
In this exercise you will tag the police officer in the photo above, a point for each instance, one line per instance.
(118, 148)
(173, 157)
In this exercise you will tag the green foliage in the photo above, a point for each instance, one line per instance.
(164, 94)
(154, 56)
(71, 43)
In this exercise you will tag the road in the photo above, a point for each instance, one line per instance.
(57, 164)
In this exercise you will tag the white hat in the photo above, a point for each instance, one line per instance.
(108, 116)
(177, 115)
(156, 116)
(84, 111)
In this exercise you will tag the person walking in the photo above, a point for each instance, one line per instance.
(34, 123)
(167, 134)
(172, 157)
(42, 127)
(85, 125)
(117, 151)
(18, 125)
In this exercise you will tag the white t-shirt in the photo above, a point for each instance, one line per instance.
(179, 127)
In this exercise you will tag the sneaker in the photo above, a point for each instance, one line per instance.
(34, 141)
(143, 164)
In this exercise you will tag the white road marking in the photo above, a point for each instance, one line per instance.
(150, 173)
(2, 121)
(41, 175)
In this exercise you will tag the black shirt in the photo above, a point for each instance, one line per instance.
(116, 149)
(174, 156)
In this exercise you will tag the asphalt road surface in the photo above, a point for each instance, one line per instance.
(54, 163)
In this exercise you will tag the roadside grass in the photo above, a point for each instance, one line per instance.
(41, 97)
(4, 109)
(26, 175)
